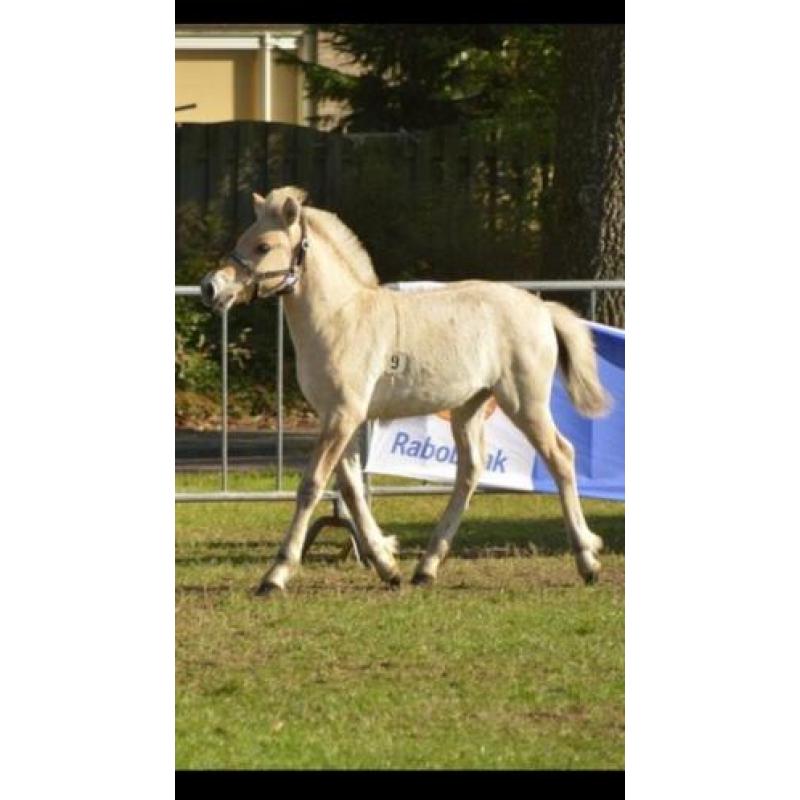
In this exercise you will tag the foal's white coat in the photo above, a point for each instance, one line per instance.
(366, 352)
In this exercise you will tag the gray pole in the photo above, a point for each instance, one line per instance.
(225, 401)
(366, 439)
(280, 393)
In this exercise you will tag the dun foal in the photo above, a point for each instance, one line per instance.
(366, 352)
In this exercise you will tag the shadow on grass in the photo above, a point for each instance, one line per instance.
(545, 535)
(225, 551)
(204, 590)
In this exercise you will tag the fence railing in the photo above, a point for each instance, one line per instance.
(281, 494)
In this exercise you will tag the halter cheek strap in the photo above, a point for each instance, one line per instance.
(291, 275)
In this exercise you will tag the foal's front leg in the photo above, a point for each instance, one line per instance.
(337, 430)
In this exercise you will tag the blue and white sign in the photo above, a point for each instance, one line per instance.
(423, 447)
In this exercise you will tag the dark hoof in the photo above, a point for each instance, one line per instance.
(591, 579)
(421, 579)
(267, 589)
(394, 582)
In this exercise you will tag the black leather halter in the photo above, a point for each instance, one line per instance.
(291, 275)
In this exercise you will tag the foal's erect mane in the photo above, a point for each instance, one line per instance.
(344, 243)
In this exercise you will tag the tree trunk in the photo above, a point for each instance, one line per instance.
(586, 238)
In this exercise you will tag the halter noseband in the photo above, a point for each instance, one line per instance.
(291, 274)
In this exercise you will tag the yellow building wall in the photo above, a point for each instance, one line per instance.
(285, 105)
(222, 83)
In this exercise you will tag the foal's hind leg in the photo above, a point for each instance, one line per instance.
(467, 425)
(536, 422)
(380, 548)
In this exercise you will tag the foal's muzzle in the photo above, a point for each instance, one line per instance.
(208, 291)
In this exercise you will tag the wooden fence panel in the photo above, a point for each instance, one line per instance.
(251, 170)
(461, 191)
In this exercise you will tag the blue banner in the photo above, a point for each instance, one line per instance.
(599, 443)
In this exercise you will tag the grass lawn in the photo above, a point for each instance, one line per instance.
(508, 662)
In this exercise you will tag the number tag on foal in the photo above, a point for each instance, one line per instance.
(397, 364)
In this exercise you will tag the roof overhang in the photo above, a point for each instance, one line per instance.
(281, 38)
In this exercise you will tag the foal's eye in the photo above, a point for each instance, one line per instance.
(263, 248)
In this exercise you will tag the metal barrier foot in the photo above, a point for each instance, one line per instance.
(352, 548)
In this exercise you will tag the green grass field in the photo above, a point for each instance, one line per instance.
(508, 662)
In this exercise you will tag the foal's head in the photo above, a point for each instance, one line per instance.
(266, 258)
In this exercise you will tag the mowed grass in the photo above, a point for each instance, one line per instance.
(508, 662)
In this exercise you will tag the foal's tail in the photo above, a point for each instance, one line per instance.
(578, 362)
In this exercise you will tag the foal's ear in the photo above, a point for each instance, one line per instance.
(258, 203)
(290, 211)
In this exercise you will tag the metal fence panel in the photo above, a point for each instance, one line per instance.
(279, 494)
